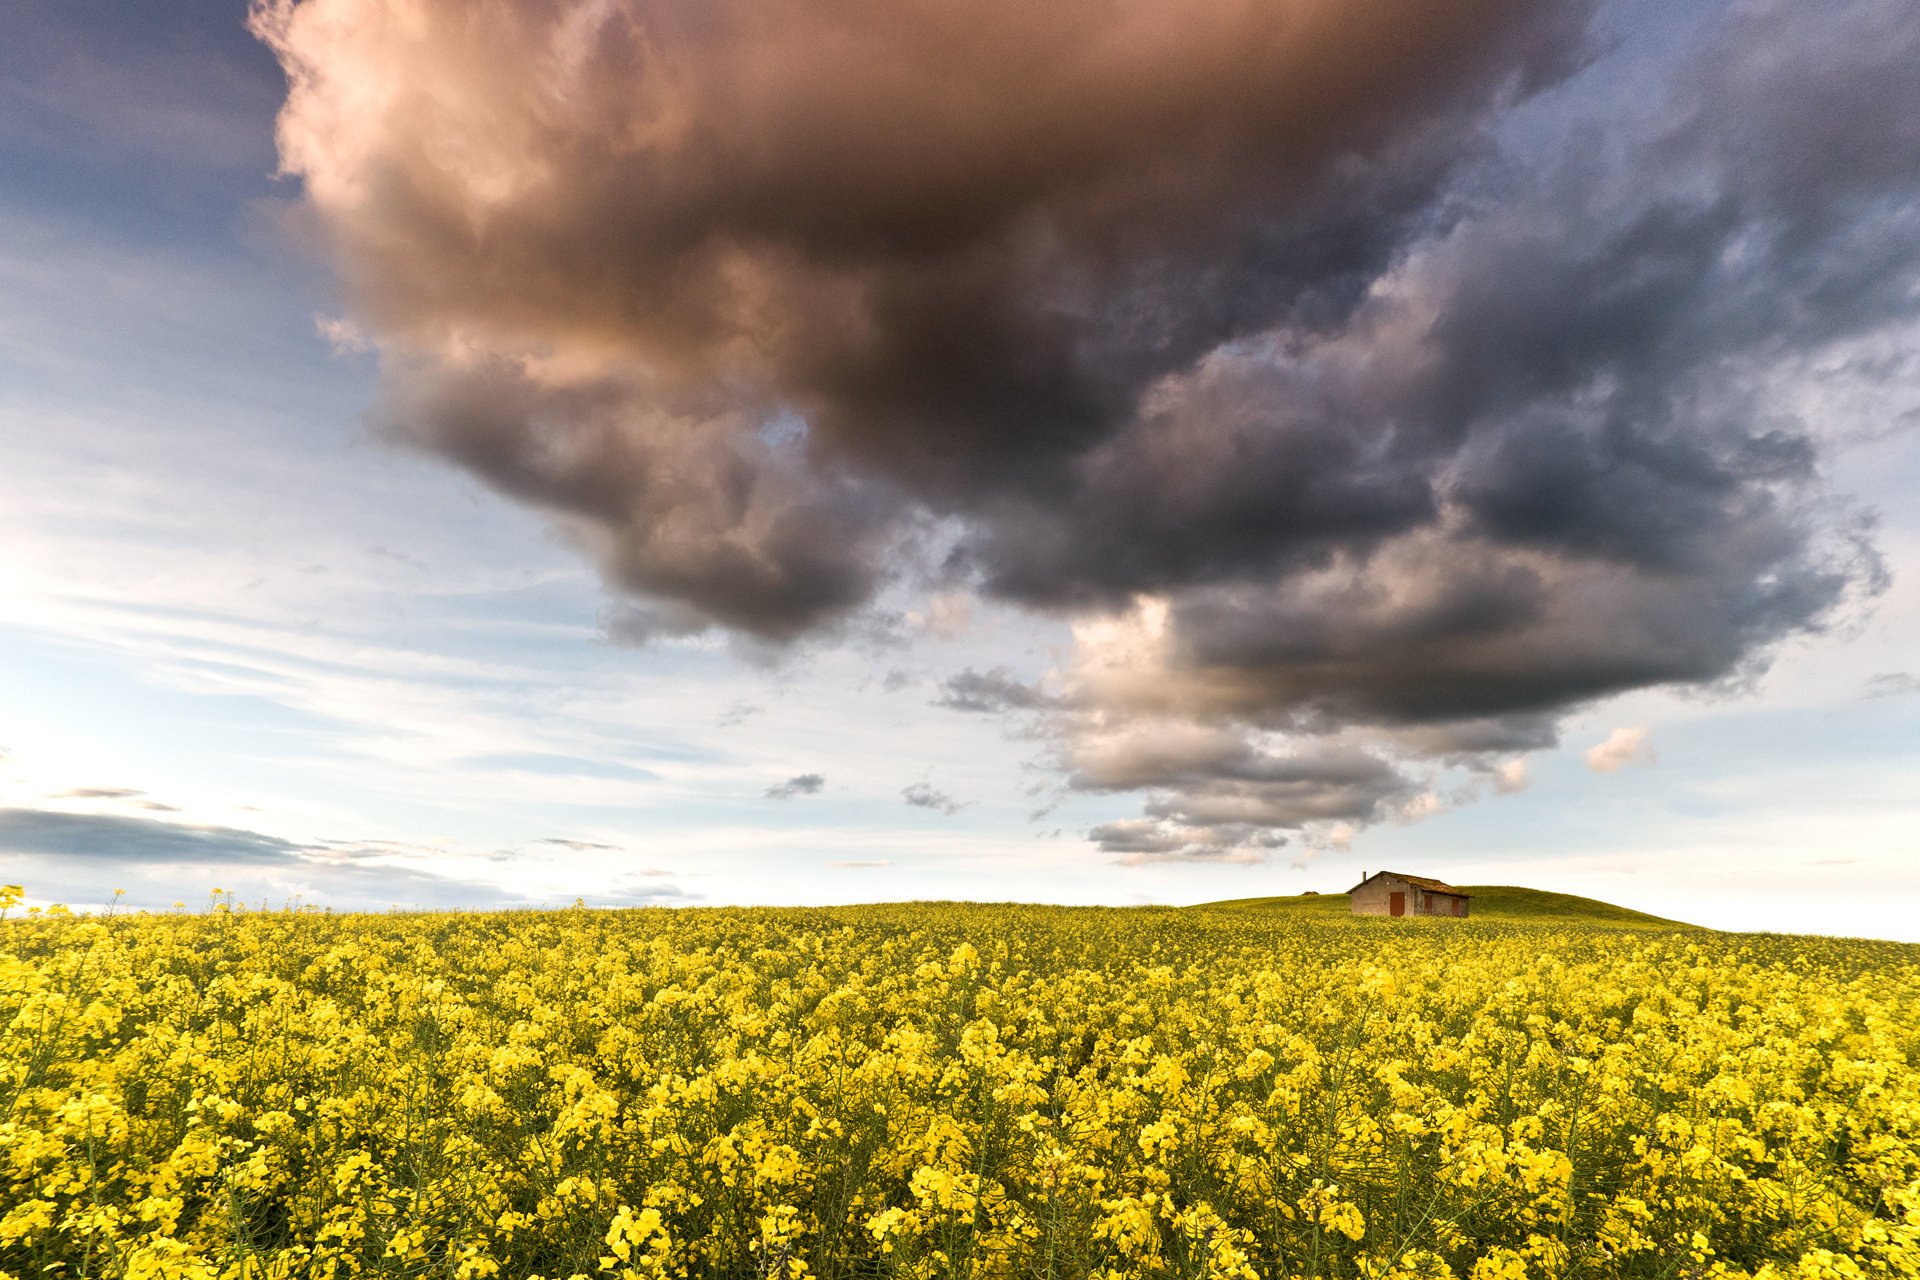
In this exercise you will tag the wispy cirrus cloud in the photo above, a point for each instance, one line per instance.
(1893, 684)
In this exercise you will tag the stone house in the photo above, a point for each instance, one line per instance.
(1388, 893)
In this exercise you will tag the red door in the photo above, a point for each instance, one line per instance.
(1397, 904)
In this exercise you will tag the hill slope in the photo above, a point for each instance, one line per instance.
(1500, 902)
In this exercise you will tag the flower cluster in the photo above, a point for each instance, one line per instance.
(949, 1091)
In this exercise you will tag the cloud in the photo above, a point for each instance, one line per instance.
(577, 846)
(923, 796)
(100, 793)
(947, 616)
(861, 864)
(1892, 684)
(638, 889)
(990, 692)
(1360, 435)
(1145, 841)
(67, 854)
(804, 784)
(346, 339)
(1623, 748)
(555, 765)
(1511, 777)
(735, 294)
(643, 622)
(1211, 776)
(117, 839)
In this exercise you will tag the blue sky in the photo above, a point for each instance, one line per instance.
(250, 641)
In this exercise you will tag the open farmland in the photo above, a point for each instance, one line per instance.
(944, 1090)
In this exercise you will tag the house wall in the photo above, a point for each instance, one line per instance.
(1375, 898)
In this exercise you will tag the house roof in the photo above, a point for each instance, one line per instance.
(1419, 882)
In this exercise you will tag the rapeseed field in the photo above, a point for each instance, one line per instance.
(949, 1091)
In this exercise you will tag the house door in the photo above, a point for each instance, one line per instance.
(1397, 904)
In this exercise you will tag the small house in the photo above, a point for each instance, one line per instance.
(1388, 893)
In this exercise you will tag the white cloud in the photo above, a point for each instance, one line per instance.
(1623, 748)
(343, 335)
(948, 616)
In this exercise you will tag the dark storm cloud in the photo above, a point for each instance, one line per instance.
(1547, 464)
(697, 503)
(1552, 455)
(805, 784)
(732, 289)
(1396, 433)
(1471, 742)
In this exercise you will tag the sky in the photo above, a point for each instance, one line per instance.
(757, 451)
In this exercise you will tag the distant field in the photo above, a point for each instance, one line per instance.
(952, 1092)
(1501, 902)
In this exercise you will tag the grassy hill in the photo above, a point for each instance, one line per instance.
(1508, 904)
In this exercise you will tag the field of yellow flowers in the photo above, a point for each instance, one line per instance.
(949, 1091)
